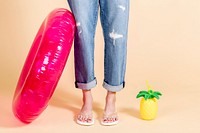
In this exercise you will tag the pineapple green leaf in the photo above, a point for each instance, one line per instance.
(140, 95)
(149, 94)
(155, 95)
(145, 92)
(158, 93)
(150, 91)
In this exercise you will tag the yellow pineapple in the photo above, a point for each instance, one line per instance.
(148, 103)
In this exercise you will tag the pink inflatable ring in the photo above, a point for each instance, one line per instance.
(44, 65)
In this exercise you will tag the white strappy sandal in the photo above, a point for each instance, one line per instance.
(110, 119)
(84, 119)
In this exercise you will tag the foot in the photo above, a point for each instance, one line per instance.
(110, 116)
(110, 119)
(85, 117)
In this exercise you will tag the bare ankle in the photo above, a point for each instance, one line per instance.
(87, 95)
(87, 102)
(111, 97)
(110, 103)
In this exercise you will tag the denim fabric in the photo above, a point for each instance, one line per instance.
(114, 19)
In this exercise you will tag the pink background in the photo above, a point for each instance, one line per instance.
(163, 48)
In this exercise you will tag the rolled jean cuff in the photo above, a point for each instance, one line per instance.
(86, 86)
(113, 88)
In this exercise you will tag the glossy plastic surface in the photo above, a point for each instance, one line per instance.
(44, 65)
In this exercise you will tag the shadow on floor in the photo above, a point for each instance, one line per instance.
(72, 102)
(130, 111)
(7, 118)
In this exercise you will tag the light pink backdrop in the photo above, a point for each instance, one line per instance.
(163, 47)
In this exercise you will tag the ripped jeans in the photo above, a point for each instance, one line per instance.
(114, 16)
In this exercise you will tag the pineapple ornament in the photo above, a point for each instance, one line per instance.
(148, 103)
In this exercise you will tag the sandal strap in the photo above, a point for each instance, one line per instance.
(113, 115)
(85, 115)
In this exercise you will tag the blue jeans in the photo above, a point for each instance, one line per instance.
(114, 19)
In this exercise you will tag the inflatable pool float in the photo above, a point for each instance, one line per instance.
(44, 65)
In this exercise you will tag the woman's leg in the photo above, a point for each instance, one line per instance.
(85, 13)
(114, 19)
